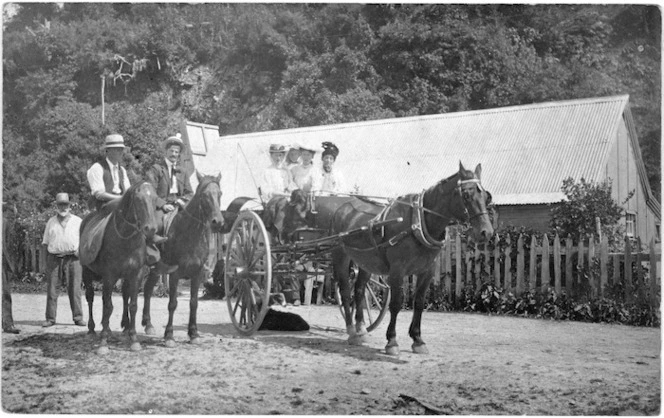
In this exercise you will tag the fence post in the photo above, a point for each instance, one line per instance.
(496, 260)
(556, 265)
(437, 267)
(459, 263)
(628, 270)
(533, 264)
(448, 268)
(582, 254)
(469, 277)
(639, 272)
(520, 265)
(487, 261)
(603, 264)
(591, 261)
(42, 258)
(654, 300)
(508, 264)
(569, 278)
(615, 277)
(546, 276)
(478, 266)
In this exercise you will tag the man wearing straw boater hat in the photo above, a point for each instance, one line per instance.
(108, 181)
(107, 178)
(172, 185)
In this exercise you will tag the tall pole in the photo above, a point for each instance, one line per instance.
(103, 85)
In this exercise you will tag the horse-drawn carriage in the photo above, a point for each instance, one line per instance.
(362, 241)
(256, 261)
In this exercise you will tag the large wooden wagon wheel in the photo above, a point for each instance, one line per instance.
(376, 298)
(248, 272)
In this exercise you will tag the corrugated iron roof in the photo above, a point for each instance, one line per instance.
(525, 151)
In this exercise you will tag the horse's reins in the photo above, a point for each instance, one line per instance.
(184, 210)
(135, 226)
(418, 225)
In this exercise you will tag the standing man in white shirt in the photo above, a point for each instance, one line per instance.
(61, 240)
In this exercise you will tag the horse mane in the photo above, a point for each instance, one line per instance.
(129, 195)
(204, 182)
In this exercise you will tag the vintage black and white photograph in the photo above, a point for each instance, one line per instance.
(223, 208)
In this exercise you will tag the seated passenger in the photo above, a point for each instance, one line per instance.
(329, 180)
(276, 180)
(303, 174)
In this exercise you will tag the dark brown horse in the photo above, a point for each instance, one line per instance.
(282, 216)
(122, 255)
(409, 247)
(188, 247)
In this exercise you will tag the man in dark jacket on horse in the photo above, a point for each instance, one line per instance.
(171, 183)
(108, 182)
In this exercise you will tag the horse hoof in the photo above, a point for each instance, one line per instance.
(170, 343)
(356, 340)
(91, 334)
(103, 350)
(420, 349)
(392, 350)
(195, 341)
(149, 330)
(136, 346)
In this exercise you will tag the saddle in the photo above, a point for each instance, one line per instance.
(92, 236)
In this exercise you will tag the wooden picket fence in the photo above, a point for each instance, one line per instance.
(517, 268)
(552, 265)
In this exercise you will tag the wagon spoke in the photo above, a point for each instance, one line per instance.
(368, 306)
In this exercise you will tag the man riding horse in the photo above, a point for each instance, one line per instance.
(108, 182)
(171, 183)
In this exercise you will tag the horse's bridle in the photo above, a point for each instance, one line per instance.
(184, 210)
(135, 226)
(460, 190)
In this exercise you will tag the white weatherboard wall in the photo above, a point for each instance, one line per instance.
(375, 158)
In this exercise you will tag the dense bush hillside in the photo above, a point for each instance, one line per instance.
(140, 68)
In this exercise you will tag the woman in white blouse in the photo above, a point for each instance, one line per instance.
(329, 180)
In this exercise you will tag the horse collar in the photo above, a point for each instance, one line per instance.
(419, 226)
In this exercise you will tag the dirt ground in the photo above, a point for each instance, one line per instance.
(479, 365)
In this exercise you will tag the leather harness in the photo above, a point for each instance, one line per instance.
(418, 225)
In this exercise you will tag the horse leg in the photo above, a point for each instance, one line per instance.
(414, 331)
(360, 302)
(172, 305)
(88, 277)
(132, 292)
(341, 266)
(125, 307)
(392, 348)
(108, 284)
(148, 288)
(194, 338)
